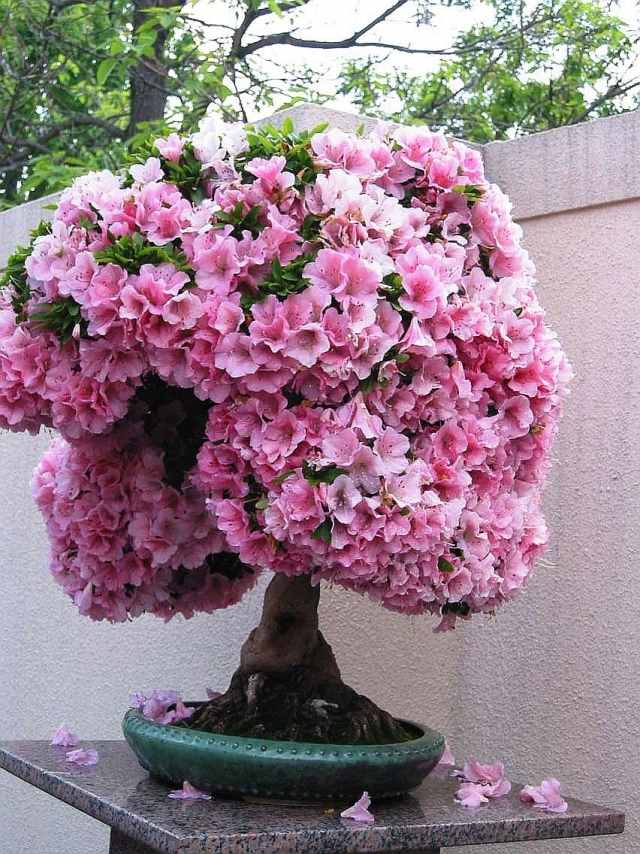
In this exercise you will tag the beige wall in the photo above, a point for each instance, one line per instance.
(552, 686)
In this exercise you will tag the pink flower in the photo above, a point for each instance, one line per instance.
(157, 706)
(341, 447)
(233, 355)
(147, 172)
(421, 292)
(189, 793)
(471, 795)
(63, 737)
(360, 810)
(546, 796)
(216, 261)
(82, 756)
(183, 309)
(170, 147)
(366, 469)
(307, 344)
(489, 776)
(392, 448)
(270, 172)
(449, 442)
(342, 498)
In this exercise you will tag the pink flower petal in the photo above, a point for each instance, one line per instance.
(447, 757)
(189, 793)
(63, 737)
(82, 756)
(360, 810)
(471, 795)
(489, 776)
(546, 796)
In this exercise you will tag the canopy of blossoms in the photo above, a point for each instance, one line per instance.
(316, 352)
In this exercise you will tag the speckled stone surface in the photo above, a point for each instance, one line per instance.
(119, 793)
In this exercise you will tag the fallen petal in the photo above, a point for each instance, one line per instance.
(546, 796)
(82, 756)
(360, 810)
(189, 793)
(447, 757)
(471, 795)
(63, 737)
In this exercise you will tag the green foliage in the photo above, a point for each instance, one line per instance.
(445, 565)
(327, 474)
(323, 531)
(241, 221)
(132, 251)
(531, 68)
(14, 275)
(61, 316)
(295, 147)
(185, 173)
(469, 191)
(281, 281)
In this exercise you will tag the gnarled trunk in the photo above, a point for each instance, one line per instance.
(288, 685)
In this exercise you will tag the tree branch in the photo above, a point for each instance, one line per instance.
(287, 38)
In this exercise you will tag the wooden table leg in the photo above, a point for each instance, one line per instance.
(121, 844)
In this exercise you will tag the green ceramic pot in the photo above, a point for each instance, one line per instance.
(289, 770)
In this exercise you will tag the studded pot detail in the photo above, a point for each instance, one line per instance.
(295, 771)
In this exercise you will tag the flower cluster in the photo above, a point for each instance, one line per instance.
(314, 352)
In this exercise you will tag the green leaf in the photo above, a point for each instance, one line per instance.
(104, 69)
(323, 531)
(444, 565)
(275, 7)
(132, 251)
(262, 503)
(61, 316)
(323, 475)
(14, 275)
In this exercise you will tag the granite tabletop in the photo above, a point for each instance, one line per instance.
(119, 793)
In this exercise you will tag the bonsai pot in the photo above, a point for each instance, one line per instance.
(289, 770)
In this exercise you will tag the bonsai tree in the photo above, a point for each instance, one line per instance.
(318, 354)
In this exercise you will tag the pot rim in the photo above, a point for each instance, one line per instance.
(429, 742)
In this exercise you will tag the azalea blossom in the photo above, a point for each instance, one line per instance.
(546, 796)
(360, 810)
(189, 793)
(344, 368)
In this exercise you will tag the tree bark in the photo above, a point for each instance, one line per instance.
(288, 685)
(149, 76)
(288, 634)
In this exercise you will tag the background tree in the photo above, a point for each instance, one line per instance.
(82, 81)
